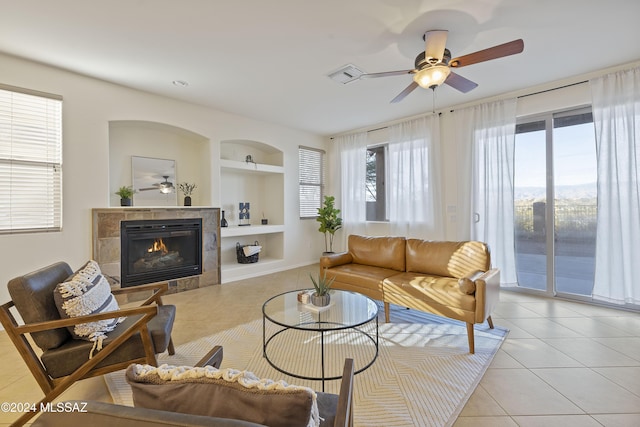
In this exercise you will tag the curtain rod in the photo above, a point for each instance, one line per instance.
(517, 97)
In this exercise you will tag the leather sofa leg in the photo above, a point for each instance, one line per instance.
(490, 322)
(386, 312)
(470, 337)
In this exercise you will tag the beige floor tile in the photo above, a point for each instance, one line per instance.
(591, 327)
(535, 353)
(557, 420)
(520, 392)
(481, 404)
(514, 330)
(485, 422)
(618, 420)
(592, 392)
(591, 353)
(626, 323)
(504, 361)
(627, 377)
(507, 310)
(629, 346)
(550, 308)
(544, 328)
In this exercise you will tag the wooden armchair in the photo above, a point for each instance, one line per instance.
(62, 360)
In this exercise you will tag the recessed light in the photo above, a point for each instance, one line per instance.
(180, 83)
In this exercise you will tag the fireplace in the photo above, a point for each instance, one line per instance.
(159, 250)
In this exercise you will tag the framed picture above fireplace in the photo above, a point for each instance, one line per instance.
(154, 181)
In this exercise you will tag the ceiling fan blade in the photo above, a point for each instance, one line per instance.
(460, 83)
(434, 44)
(405, 92)
(506, 49)
(148, 189)
(386, 74)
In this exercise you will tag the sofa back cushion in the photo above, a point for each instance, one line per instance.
(225, 393)
(32, 294)
(385, 252)
(448, 259)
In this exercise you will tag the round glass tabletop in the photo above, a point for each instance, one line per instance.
(345, 310)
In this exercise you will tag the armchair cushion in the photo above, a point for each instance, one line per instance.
(86, 292)
(65, 359)
(226, 393)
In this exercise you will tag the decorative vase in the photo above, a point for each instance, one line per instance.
(320, 300)
(187, 200)
(223, 221)
(125, 202)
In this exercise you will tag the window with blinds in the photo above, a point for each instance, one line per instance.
(30, 161)
(311, 172)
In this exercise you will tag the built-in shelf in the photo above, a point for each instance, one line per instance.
(250, 230)
(261, 183)
(247, 167)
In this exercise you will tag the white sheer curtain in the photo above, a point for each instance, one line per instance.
(616, 115)
(413, 180)
(486, 139)
(352, 152)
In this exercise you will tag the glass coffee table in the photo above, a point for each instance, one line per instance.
(311, 343)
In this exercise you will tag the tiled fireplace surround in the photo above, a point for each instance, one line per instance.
(106, 240)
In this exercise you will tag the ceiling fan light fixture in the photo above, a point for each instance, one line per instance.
(432, 76)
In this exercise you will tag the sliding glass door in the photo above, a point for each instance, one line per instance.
(555, 203)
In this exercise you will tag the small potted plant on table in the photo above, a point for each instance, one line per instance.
(322, 285)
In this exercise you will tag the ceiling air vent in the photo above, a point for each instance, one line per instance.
(346, 74)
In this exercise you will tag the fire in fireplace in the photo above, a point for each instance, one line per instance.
(157, 250)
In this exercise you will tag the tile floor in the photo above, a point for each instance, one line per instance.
(563, 363)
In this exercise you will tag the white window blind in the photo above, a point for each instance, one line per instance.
(30, 161)
(311, 171)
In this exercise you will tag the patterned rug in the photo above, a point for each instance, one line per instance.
(423, 375)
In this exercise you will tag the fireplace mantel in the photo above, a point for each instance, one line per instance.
(106, 240)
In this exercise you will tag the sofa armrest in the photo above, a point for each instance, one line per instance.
(487, 293)
(333, 260)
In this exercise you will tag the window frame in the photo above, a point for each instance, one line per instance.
(319, 183)
(30, 161)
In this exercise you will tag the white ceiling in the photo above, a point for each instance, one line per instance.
(269, 59)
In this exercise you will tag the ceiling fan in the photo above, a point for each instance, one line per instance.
(165, 186)
(433, 66)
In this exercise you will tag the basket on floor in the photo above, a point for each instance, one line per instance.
(242, 258)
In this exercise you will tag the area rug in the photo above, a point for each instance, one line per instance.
(423, 375)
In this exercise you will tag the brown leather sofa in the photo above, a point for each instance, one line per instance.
(450, 279)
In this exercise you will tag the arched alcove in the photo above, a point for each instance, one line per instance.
(137, 138)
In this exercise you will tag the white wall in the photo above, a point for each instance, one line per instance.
(89, 106)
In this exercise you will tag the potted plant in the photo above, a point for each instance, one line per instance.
(322, 285)
(187, 189)
(330, 222)
(125, 193)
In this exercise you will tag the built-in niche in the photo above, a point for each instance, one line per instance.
(190, 152)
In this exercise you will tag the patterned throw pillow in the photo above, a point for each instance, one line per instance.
(85, 292)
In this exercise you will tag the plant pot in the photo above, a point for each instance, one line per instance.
(187, 200)
(125, 202)
(320, 300)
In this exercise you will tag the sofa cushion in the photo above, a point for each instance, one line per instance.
(432, 289)
(226, 393)
(360, 275)
(86, 292)
(32, 295)
(448, 259)
(384, 252)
